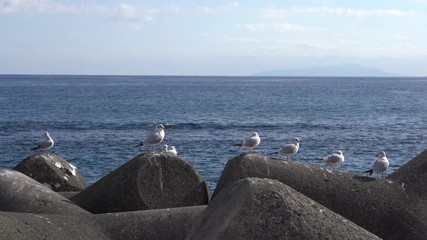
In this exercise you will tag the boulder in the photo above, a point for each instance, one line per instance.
(20, 193)
(68, 195)
(413, 175)
(382, 207)
(52, 170)
(255, 208)
(28, 226)
(150, 181)
(159, 224)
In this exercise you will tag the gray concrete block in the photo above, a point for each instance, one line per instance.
(255, 208)
(158, 224)
(52, 170)
(20, 193)
(150, 181)
(382, 207)
(28, 226)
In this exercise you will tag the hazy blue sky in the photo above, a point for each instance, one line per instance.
(210, 37)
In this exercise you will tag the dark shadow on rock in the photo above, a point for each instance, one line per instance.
(364, 178)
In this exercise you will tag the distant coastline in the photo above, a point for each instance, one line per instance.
(330, 71)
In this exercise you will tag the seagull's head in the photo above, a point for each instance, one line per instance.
(339, 152)
(160, 127)
(297, 140)
(254, 134)
(381, 154)
(46, 134)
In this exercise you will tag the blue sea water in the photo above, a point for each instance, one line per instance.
(96, 121)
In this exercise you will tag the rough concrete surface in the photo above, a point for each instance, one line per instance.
(149, 181)
(52, 170)
(49, 227)
(157, 224)
(20, 193)
(382, 207)
(255, 208)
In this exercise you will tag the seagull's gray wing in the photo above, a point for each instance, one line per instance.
(380, 165)
(333, 159)
(153, 139)
(288, 149)
(251, 142)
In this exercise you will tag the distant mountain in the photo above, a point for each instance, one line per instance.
(330, 71)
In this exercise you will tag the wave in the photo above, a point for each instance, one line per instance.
(84, 125)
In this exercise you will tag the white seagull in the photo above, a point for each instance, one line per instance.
(380, 165)
(172, 150)
(251, 142)
(290, 150)
(155, 138)
(46, 145)
(334, 160)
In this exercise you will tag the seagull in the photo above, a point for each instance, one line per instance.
(155, 138)
(290, 150)
(46, 145)
(251, 142)
(380, 165)
(172, 150)
(334, 160)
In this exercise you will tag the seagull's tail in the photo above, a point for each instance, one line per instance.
(140, 145)
(274, 153)
(35, 148)
(369, 171)
(238, 144)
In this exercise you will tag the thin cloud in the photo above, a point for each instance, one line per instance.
(120, 12)
(36, 6)
(271, 26)
(402, 38)
(229, 8)
(132, 13)
(337, 11)
(172, 8)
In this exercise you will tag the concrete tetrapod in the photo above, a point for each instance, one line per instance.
(52, 170)
(28, 226)
(30, 210)
(20, 193)
(149, 181)
(159, 224)
(381, 207)
(255, 208)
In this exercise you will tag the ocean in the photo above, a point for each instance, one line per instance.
(96, 121)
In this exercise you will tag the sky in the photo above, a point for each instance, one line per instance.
(207, 37)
